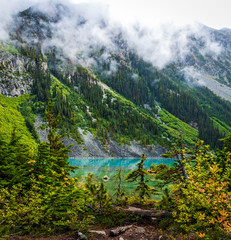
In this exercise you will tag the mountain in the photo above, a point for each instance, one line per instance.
(115, 95)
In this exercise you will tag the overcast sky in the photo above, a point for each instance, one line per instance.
(213, 13)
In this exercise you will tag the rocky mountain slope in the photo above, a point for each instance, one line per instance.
(211, 67)
(15, 79)
(92, 104)
(113, 99)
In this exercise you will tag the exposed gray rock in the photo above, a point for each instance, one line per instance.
(92, 147)
(139, 230)
(101, 233)
(201, 78)
(81, 236)
(42, 133)
(119, 230)
(14, 77)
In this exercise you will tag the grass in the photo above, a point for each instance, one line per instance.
(221, 126)
(7, 47)
(11, 118)
(175, 126)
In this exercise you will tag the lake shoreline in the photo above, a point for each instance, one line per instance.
(95, 164)
(114, 158)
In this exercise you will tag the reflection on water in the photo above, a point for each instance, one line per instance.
(117, 163)
(96, 166)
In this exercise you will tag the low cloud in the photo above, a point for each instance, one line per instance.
(193, 77)
(85, 30)
(169, 43)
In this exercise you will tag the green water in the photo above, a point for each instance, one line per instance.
(101, 167)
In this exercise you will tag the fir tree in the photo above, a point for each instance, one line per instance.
(58, 151)
(139, 175)
(15, 159)
(119, 188)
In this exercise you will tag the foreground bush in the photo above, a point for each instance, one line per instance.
(200, 203)
(36, 191)
(47, 210)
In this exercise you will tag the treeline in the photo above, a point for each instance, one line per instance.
(143, 84)
(211, 103)
(38, 197)
(62, 105)
(112, 115)
(42, 83)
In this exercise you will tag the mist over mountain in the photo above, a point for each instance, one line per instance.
(171, 72)
(81, 28)
(99, 84)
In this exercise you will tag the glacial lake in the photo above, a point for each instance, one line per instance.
(101, 167)
(95, 164)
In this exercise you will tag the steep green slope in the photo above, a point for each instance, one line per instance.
(145, 85)
(9, 48)
(221, 126)
(85, 103)
(10, 118)
(97, 108)
(189, 133)
(126, 72)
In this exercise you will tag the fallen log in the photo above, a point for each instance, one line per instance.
(119, 230)
(146, 213)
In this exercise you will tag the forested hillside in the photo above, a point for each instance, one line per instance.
(196, 106)
(40, 198)
(76, 84)
(84, 102)
(136, 92)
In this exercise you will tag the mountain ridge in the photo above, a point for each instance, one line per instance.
(121, 70)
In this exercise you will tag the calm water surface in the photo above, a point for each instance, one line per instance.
(105, 166)
(101, 167)
(113, 163)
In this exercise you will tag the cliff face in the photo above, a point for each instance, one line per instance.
(14, 77)
(92, 148)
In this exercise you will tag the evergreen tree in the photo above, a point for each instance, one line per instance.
(178, 153)
(227, 143)
(139, 175)
(58, 151)
(15, 160)
(119, 188)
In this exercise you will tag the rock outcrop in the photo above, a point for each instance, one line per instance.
(92, 147)
(14, 77)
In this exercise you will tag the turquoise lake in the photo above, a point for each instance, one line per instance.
(114, 163)
(101, 167)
